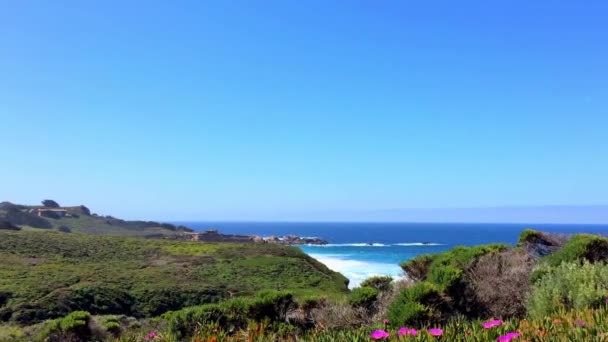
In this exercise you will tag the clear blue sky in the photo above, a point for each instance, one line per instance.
(292, 109)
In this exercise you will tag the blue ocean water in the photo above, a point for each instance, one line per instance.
(360, 250)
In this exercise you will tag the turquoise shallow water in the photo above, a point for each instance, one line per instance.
(360, 250)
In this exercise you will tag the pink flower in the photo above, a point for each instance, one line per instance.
(491, 324)
(579, 323)
(385, 321)
(405, 331)
(508, 337)
(380, 335)
(435, 332)
(150, 336)
(606, 300)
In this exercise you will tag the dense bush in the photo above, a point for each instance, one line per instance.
(569, 286)
(272, 306)
(447, 267)
(417, 268)
(73, 327)
(111, 324)
(580, 247)
(422, 303)
(380, 283)
(364, 297)
(444, 291)
(500, 283)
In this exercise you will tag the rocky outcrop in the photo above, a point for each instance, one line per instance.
(296, 240)
(213, 235)
(540, 244)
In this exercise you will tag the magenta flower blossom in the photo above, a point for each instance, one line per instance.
(435, 332)
(492, 324)
(380, 335)
(508, 337)
(150, 336)
(405, 331)
(580, 323)
(606, 300)
(385, 321)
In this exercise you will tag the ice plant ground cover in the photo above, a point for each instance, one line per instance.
(582, 325)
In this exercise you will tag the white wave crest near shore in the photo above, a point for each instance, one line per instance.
(361, 244)
(351, 245)
(418, 244)
(357, 271)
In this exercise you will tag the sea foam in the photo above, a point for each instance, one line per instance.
(350, 245)
(418, 244)
(356, 270)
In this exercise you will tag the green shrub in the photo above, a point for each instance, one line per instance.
(442, 277)
(569, 286)
(529, 235)
(417, 268)
(580, 247)
(272, 305)
(183, 323)
(311, 302)
(364, 297)
(269, 305)
(380, 283)
(419, 304)
(111, 324)
(447, 267)
(73, 327)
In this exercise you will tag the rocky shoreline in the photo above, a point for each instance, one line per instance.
(213, 235)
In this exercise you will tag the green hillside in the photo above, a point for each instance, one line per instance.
(47, 274)
(78, 219)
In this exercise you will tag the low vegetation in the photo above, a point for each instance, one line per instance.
(45, 275)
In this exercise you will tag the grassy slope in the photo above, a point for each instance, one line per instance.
(43, 271)
(81, 223)
(100, 225)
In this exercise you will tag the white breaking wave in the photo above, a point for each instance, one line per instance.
(376, 244)
(418, 244)
(350, 245)
(357, 271)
